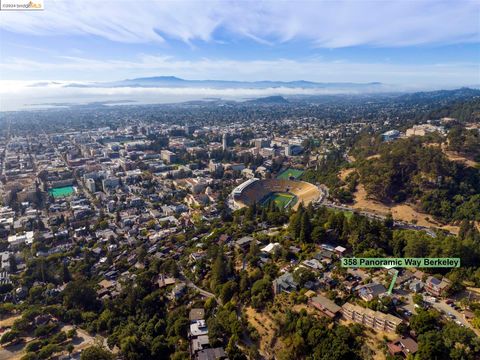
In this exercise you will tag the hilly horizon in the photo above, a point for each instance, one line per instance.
(174, 81)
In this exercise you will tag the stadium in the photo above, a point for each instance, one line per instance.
(285, 193)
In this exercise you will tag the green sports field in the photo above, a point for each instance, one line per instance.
(61, 191)
(289, 173)
(281, 200)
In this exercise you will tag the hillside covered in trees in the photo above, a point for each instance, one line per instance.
(464, 111)
(465, 141)
(409, 170)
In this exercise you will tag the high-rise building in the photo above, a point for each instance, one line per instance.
(90, 185)
(261, 143)
(168, 156)
(189, 129)
(224, 142)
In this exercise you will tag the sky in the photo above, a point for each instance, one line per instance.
(411, 44)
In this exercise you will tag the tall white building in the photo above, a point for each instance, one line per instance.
(288, 150)
(90, 184)
(224, 142)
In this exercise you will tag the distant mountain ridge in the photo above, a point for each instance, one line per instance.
(176, 82)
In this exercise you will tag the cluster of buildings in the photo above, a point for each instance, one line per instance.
(118, 188)
(430, 127)
(200, 348)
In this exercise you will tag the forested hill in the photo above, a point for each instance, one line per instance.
(440, 96)
(408, 170)
(464, 111)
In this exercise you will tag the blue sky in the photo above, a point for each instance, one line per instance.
(415, 44)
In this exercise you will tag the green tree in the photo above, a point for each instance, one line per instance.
(431, 346)
(253, 253)
(66, 277)
(305, 228)
(424, 320)
(303, 275)
(9, 336)
(80, 295)
(96, 353)
(261, 293)
(220, 271)
(229, 289)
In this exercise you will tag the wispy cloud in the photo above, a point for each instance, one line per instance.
(330, 24)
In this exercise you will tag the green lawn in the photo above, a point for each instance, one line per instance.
(61, 191)
(282, 200)
(346, 213)
(288, 173)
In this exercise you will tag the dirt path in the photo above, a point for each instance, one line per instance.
(451, 155)
(454, 156)
(8, 322)
(402, 212)
(343, 174)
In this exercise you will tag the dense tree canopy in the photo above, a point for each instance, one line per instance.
(407, 170)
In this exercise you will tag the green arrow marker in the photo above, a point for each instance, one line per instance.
(390, 289)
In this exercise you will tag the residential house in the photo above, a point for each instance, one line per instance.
(370, 291)
(178, 291)
(197, 328)
(403, 345)
(284, 283)
(437, 287)
(211, 354)
(313, 264)
(243, 243)
(325, 305)
(272, 248)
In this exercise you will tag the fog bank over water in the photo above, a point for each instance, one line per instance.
(30, 95)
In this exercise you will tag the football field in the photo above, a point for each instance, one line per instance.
(282, 200)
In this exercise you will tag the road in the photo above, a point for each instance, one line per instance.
(443, 306)
(201, 291)
(191, 285)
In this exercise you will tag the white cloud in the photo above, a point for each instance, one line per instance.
(330, 24)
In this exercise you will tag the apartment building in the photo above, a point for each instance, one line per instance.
(370, 318)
